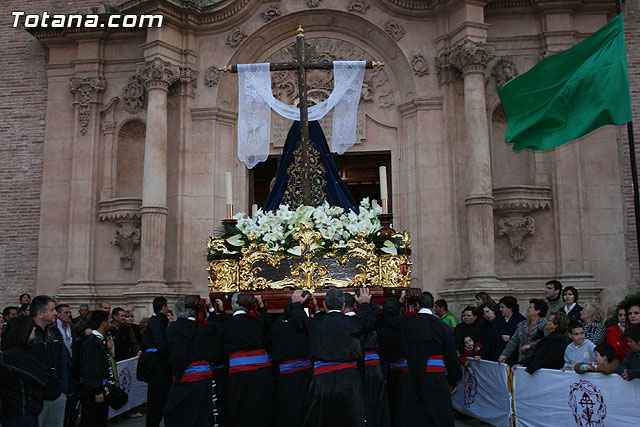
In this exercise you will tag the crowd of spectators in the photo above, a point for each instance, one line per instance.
(556, 332)
(40, 365)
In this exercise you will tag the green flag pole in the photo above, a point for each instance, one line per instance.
(634, 168)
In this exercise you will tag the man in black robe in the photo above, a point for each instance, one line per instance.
(376, 403)
(290, 350)
(155, 348)
(392, 351)
(250, 388)
(433, 365)
(192, 349)
(93, 366)
(335, 397)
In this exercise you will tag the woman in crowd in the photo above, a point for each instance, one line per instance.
(22, 376)
(489, 315)
(484, 298)
(571, 307)
(549, 353)
(615, 334)
(591, 318)
(470, 326)
(632, 309)
(503, 328)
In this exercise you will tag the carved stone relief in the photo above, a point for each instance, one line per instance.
(394, 29)
(108, 127)
(186, 84)
(85, 91)
(313, 3)
(376, 86)
(158, 73)
(445, 71)
(504, 70)
(212, 76)
(516, 229)
(471, 56)
(235, 37)
(124, 212)
(419, 65)
(271, 12)
(127, 239)
(134, 94)
(359, 6)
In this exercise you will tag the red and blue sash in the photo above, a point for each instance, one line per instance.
(295, 365)
(320, 367)
(435, 364)
(249, 360)
(371, 358)
(196, 371)
(400, 365)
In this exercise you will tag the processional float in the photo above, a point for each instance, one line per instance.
(310, 234)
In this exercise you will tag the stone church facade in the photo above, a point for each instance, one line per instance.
(138, 127)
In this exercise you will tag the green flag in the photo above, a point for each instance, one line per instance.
(571, 93)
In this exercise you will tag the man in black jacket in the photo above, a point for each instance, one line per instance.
(124, 340)
(49, 347)
(156, 353)
(433, 365)
(94, 367)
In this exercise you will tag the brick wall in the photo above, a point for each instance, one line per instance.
(632, 35)
(22, 122)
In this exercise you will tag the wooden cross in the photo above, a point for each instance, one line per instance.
(299, 64)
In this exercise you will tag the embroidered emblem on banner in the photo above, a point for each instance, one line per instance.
(470, 387)
(124, 376)
(587, 403)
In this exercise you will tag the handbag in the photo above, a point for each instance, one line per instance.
(114, 395)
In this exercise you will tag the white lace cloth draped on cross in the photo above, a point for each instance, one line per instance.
(256, 101)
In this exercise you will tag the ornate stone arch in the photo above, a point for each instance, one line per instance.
(336, 24)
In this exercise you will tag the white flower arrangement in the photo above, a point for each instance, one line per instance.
(337, 227)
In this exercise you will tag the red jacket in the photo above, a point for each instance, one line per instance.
(618, 340)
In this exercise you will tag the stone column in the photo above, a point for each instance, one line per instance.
(471, 58)
(158, 76)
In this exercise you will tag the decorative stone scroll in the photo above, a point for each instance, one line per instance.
(516, 229)
(471, 56)
(313, 3)
(158, 73)
(125, 213)
(394, 29)
(235, 37)
(85, 91)
(271, 12)
(126, 239)
(358, 6)
(212, 76)
(504, 70)
(134, 94)
(513, 203)
(419, 65)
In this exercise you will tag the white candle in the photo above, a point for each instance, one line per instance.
(229, 187)
(383, 183)
(254, 210)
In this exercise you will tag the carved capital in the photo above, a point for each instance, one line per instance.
(158, 73)
(134, 94)
(187, 82)
(126, 239)
(445, 71)
(235, 37)
(271, 12)
(471, 56)
(504, 70)
(85, 91)
(212, 76)
(394, 29)
(358, 6)
(108, 128)
(125, 211)
(516, 229)
(419, 65)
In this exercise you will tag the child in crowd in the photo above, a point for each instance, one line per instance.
(581, 349)
(471, 349)
(606, 362)
(629, 368)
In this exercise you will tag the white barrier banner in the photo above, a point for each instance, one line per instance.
(483, 393)
(552, 397)
(137, 390)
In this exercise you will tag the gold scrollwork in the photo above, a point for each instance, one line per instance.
(223, 275)
(395, 271)
(250, 274)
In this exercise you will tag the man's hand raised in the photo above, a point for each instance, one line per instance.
(297, 296)
(364, 296)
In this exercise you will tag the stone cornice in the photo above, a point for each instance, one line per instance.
(410, 108)
(522, 198)
(123, 209)
(214, 113)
